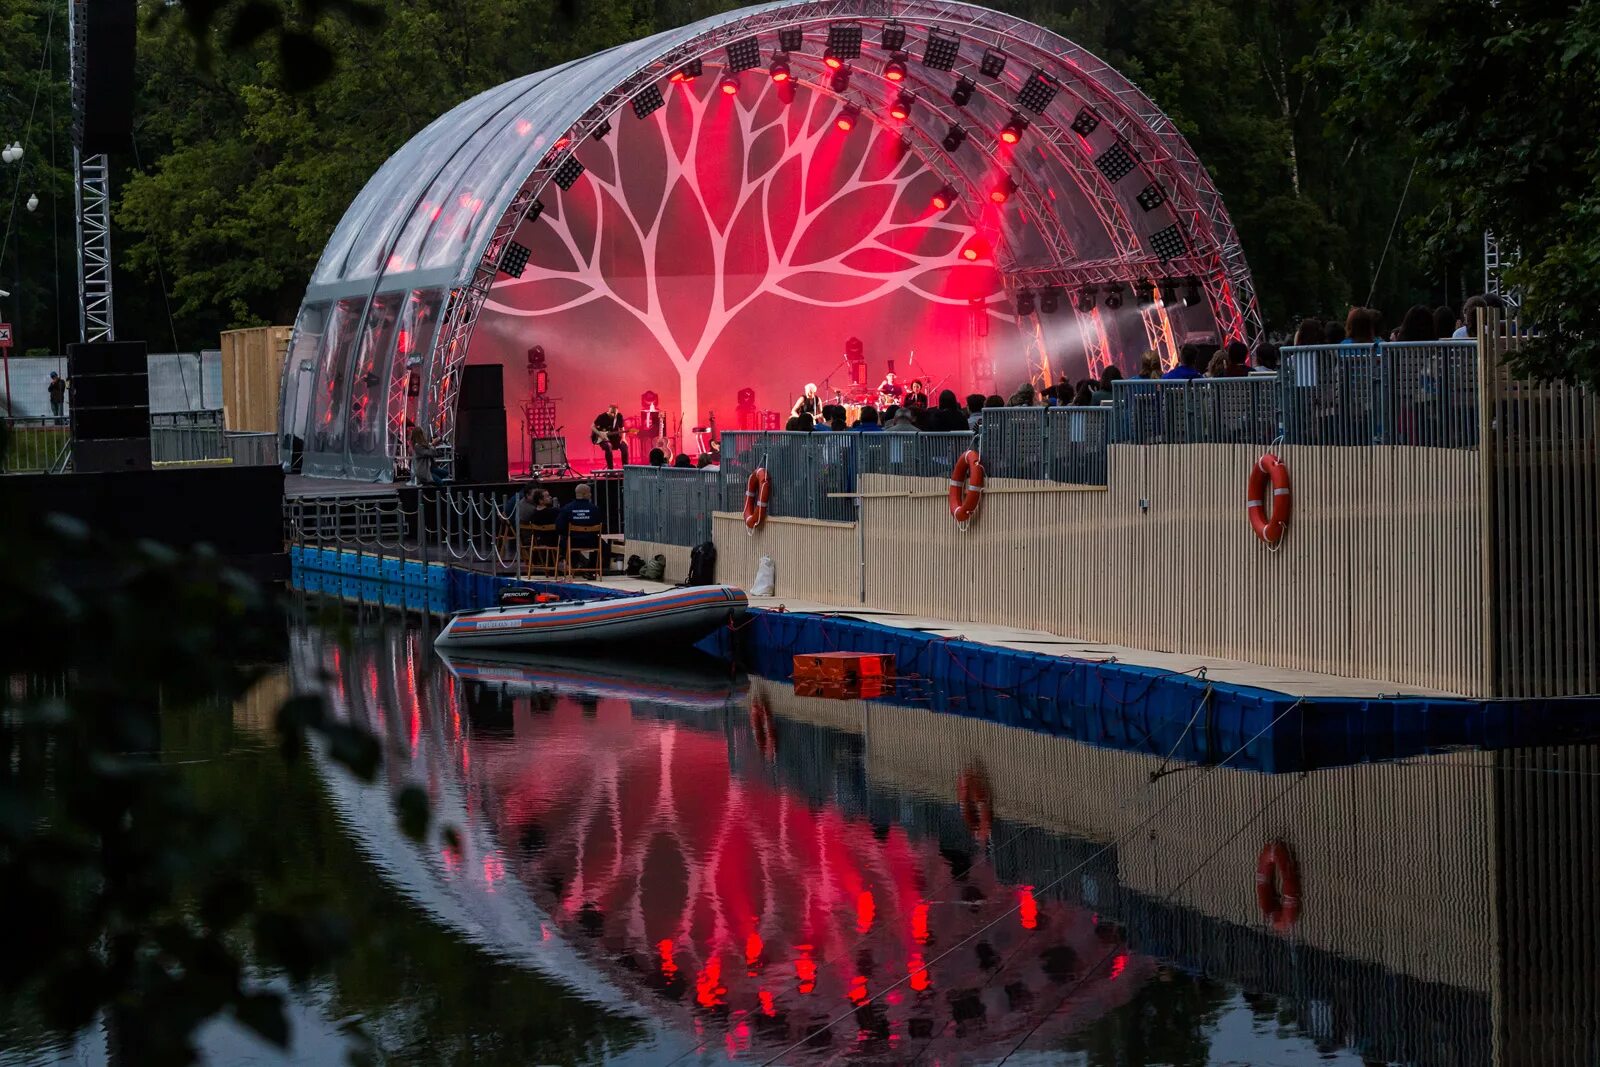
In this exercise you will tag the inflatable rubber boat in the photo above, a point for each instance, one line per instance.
(677, 616)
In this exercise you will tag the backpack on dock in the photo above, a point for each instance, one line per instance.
(702, 565)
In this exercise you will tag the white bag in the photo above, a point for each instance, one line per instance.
(764, 583)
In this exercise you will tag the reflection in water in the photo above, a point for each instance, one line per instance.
(756, 874)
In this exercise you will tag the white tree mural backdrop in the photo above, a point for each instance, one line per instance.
(685, 220)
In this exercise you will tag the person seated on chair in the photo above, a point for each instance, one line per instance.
(579, 511)
(608, 435)
(538, 508)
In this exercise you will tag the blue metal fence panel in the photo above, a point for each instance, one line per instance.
(670, 505)
(1061, 444)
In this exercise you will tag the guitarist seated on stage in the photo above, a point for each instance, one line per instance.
(607, 434)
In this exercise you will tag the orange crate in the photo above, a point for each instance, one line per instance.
(843, 668)
(866, 689)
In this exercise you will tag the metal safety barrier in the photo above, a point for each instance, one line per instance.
(1395, 393)
(35, 445)
(670, 505)
(1197, 411)
(917, 455)
(1061, 444)
(805, 468)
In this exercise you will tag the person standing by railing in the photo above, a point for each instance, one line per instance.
(58, 395)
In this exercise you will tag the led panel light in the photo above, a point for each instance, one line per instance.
(1086, 122)
(514, 259)
(648, 100)
(744, 54)
(1152, 197)
(601, 130)
(535, 211)
(942, 50)
(1037, 92)
(845, 39)
(894, 36)
(1115, 163)
(568, 173)
(1168, 243)
(992, 64)
(791, 38)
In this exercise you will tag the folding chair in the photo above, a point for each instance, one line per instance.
(590, 534)
(539, 552)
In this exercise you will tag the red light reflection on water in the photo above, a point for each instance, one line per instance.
(1028, 908)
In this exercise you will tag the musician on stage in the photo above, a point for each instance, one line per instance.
(889, 391)
(607, 433)
(808, 404)
(916, 399)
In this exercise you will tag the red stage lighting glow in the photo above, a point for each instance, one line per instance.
(1003, 189)
(944, 198)
(847, 119)
(524, 127)
(780, 71)
(894, 70)
(730, 84)
(561, 142)
(1010, 135)
(975, 249)
(900, 110)
(833, 62)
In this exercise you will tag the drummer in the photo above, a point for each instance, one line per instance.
(889, 391)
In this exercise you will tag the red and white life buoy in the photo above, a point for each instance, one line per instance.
(976, 803)
(1268, 500)
(1278, 885)
(966, 487)
(757, 496)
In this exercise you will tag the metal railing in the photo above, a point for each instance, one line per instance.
(35, 444)
(1398, 393)
(805, 469)
(670, 505)
(917, 455)
(1198, 411)
(187, 437)
(1061, 444)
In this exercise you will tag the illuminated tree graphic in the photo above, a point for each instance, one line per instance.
(686, 219)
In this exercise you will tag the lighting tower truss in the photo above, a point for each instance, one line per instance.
(1495, 262)
(91, 194)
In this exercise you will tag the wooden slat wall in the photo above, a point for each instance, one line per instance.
(1541, 467)
(812, 560)
(252, 368)
(677, 557)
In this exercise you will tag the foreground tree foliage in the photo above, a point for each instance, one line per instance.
(1499, 100)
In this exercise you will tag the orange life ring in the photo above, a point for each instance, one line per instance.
(1269, 523)
(966, 486)
(1278, 885)
(976, 803)
(761, 726)
(757, 495)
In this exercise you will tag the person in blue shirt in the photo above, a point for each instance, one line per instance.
(868, 421)
(579, 511)
(1188, 365)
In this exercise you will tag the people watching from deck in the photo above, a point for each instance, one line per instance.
(902, 421)
(683, 462)
(948, 416)
(1360, 327)
(1023, 398)
(1417, 325)
(705, 459)
(800, 423)
(1444, 322)
(1188, 367)
(1218, 367)
(975, 405)
(1310, 332)
(869, 418)
(1108, 377)
(1332, 332)
(1470, 311)
(1266, 363)
(1150, 364)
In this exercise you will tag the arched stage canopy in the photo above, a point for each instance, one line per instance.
(1106, 191)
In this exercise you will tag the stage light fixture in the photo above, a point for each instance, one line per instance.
(647, 101)
(1192, 295)
(1085, 123)
(975, 249)
(780, 69)
(992, 64)
(791, 38)
(844, 38)
(1012, 131)
(1025, 302)
(601, 130)
(942, 50)
(1115, 163)
(568, 173)
(1145, 293)
(514, 259)
(744, 54)
(961, 95)
(1003, 189)
(955, 138)
(847, 119)
(1037, 92)
(832, 60)
(729, 84)
(895, 69)
(1152, 197)
(901, 108)
(1168, 243)
(689, 71)
(894, 36)
(1169, 292)
(1050, 301)
(1085, 302)
(534, 211)
(536, 357)
(840, 80)
(1113, 296)
(945, 197)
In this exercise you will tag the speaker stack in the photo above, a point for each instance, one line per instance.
(110, 405)
(481, 454)
(103, 82)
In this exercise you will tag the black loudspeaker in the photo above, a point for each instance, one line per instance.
(109, 424)
(110, 405)
(481, 454)
(121, 454)
(102, 94)
(483, 386)
(107, 357)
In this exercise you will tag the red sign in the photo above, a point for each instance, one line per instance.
(5, 335)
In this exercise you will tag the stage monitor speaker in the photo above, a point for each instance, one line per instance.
(107, 357)
(115, 454)
(104, 85)
(549, 451)
(481, 454)
(483, 386)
